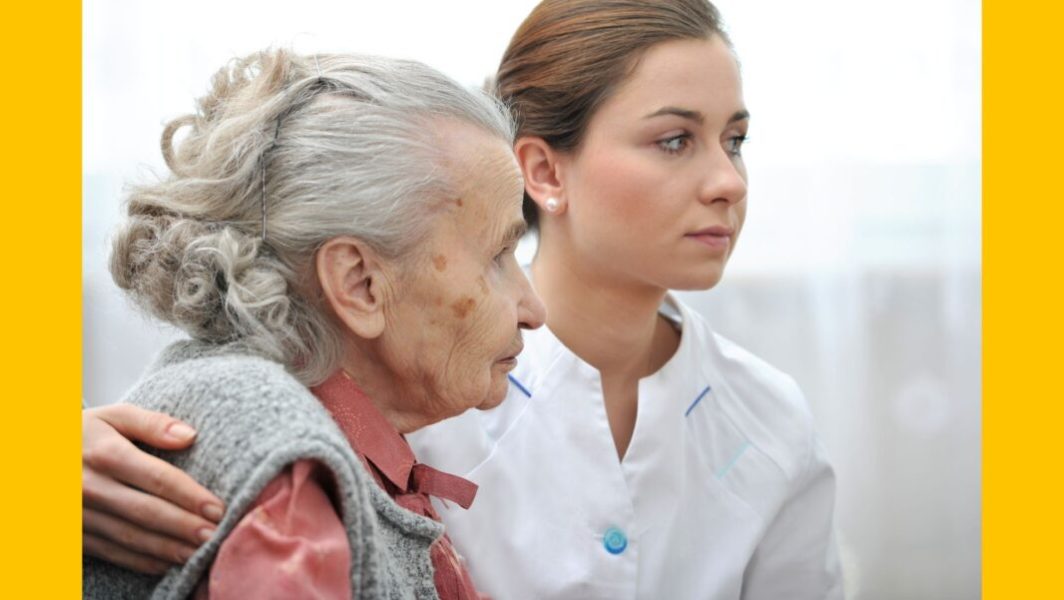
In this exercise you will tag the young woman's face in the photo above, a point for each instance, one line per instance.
(656, 193)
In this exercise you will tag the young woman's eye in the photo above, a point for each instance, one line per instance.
(675, 144)
(735, 145)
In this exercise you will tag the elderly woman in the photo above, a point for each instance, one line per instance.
(337, 239)
(639, 454)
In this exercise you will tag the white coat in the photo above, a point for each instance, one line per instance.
(724, 492)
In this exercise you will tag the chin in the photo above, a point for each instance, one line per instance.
(496, 394)
(493, 400)
(692, 280)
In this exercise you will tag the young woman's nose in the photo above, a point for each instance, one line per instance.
(530, 310)
(725, 181)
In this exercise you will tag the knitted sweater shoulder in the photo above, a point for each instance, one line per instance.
(253, 419)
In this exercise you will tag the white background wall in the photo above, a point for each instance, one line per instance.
(858, 271)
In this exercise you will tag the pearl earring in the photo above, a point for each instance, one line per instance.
(552, 205)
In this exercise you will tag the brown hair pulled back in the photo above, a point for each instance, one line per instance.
(568, 56)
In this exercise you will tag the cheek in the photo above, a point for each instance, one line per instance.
(482, 330)
(465, 322)
(615, 189)
(429, 314)
(617, 196)
(486, 322)
(627, 206)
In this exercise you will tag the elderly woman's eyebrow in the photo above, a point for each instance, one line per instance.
(514, 232)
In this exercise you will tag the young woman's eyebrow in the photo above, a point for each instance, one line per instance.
(694, 115)
(683, 113)
(739, 116)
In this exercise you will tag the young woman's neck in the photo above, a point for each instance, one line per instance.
(609, 322)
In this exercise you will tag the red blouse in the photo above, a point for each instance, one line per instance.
(292, 543)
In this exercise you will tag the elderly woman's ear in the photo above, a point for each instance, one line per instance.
(354, 284)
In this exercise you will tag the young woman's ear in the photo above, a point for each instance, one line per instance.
(353, 284)
(542, 168)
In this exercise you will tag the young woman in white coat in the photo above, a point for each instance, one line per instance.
(638, 454)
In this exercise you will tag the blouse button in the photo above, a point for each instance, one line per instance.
(615, 541)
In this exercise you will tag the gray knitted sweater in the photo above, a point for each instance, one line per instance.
(253, 419)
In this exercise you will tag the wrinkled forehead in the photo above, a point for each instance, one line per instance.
(482, 169)
(493, 171)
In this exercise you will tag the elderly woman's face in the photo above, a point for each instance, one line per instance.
(453, 333)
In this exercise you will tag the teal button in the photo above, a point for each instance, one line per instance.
(615, 541)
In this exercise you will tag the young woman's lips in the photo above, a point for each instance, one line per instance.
(714, 237)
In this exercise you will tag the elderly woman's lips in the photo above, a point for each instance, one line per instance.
(514, 351)
(510, 361)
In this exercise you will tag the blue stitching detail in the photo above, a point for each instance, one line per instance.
(735, 459)
(519, 386)
(697, 400)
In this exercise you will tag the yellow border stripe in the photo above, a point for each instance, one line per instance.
(40, 246)
(1023, 326)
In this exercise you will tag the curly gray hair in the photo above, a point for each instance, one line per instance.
(312, 147)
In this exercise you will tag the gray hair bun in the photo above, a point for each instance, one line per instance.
(325, 145)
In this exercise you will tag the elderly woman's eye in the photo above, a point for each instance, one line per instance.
(507, 251)
(675, 144)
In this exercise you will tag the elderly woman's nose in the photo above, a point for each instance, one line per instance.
(530, 310)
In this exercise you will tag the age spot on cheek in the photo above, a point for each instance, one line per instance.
(462, 307)
(458, 202)
(440, 262)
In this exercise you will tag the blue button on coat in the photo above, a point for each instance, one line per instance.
(615, 541)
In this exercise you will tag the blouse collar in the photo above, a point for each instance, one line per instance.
(377, 442)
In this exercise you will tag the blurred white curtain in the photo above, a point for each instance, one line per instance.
(859, 267)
